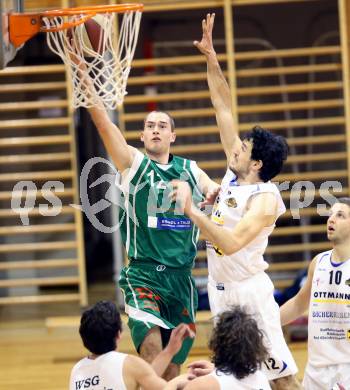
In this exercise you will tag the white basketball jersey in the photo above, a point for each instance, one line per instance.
(103, 373)
(229, 208)
(329, 313)
(256, 381)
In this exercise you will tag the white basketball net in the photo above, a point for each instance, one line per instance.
(108, 68)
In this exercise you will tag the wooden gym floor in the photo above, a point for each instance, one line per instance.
(35, 356)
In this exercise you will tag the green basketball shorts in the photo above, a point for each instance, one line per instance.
(156, 295)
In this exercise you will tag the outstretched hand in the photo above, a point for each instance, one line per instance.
(177, 337)
(205, 46)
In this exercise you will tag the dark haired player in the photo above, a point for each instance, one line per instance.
(238, 351)
(243, 217)
(105, 368)
(159, 291)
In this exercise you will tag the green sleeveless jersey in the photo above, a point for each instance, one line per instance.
(151, 227)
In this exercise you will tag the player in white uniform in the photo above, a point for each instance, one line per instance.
(238, 352)
(326, 293)
(107, 369)
(243, 216)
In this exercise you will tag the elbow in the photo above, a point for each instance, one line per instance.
(232, 245)
(230, 248)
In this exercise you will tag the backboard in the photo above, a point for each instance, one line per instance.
(7, 51)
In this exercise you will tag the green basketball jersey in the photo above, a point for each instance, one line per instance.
(151, 228)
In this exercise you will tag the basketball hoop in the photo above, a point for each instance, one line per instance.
(106, 59)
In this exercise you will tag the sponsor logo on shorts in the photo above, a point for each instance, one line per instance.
(161, 267)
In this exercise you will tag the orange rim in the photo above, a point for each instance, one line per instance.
(67, 25)
(23, 26)
(92, 10)
(87, 12)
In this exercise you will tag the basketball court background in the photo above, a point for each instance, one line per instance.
(287, 63)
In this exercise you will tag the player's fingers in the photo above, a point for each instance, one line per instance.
(198, 364)
(184, 331)
(212, 18)
(190, 333)
(180, 328)
(201, 371)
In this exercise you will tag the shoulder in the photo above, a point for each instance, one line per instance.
(78, 364)
(316, 261)
(76, 369)
(321, 257)
(134, 364)
(266, 196)
(133, 369)
(264, 203)
(267, 189)
(131, 360)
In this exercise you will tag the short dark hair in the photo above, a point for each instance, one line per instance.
(344, 200)
(99, 326)
(171, 119)
(237, 343)
(271, 149)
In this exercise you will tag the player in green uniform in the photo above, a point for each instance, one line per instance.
(158, 289)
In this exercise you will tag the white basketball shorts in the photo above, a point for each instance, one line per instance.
(256, 295)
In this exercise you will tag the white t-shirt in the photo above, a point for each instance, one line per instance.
(103, 373)
(256, 381)
(329, 313)
(229, 208)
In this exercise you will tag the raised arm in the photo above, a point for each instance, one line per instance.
(296, 306)
(219, 90)
(120, 152)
